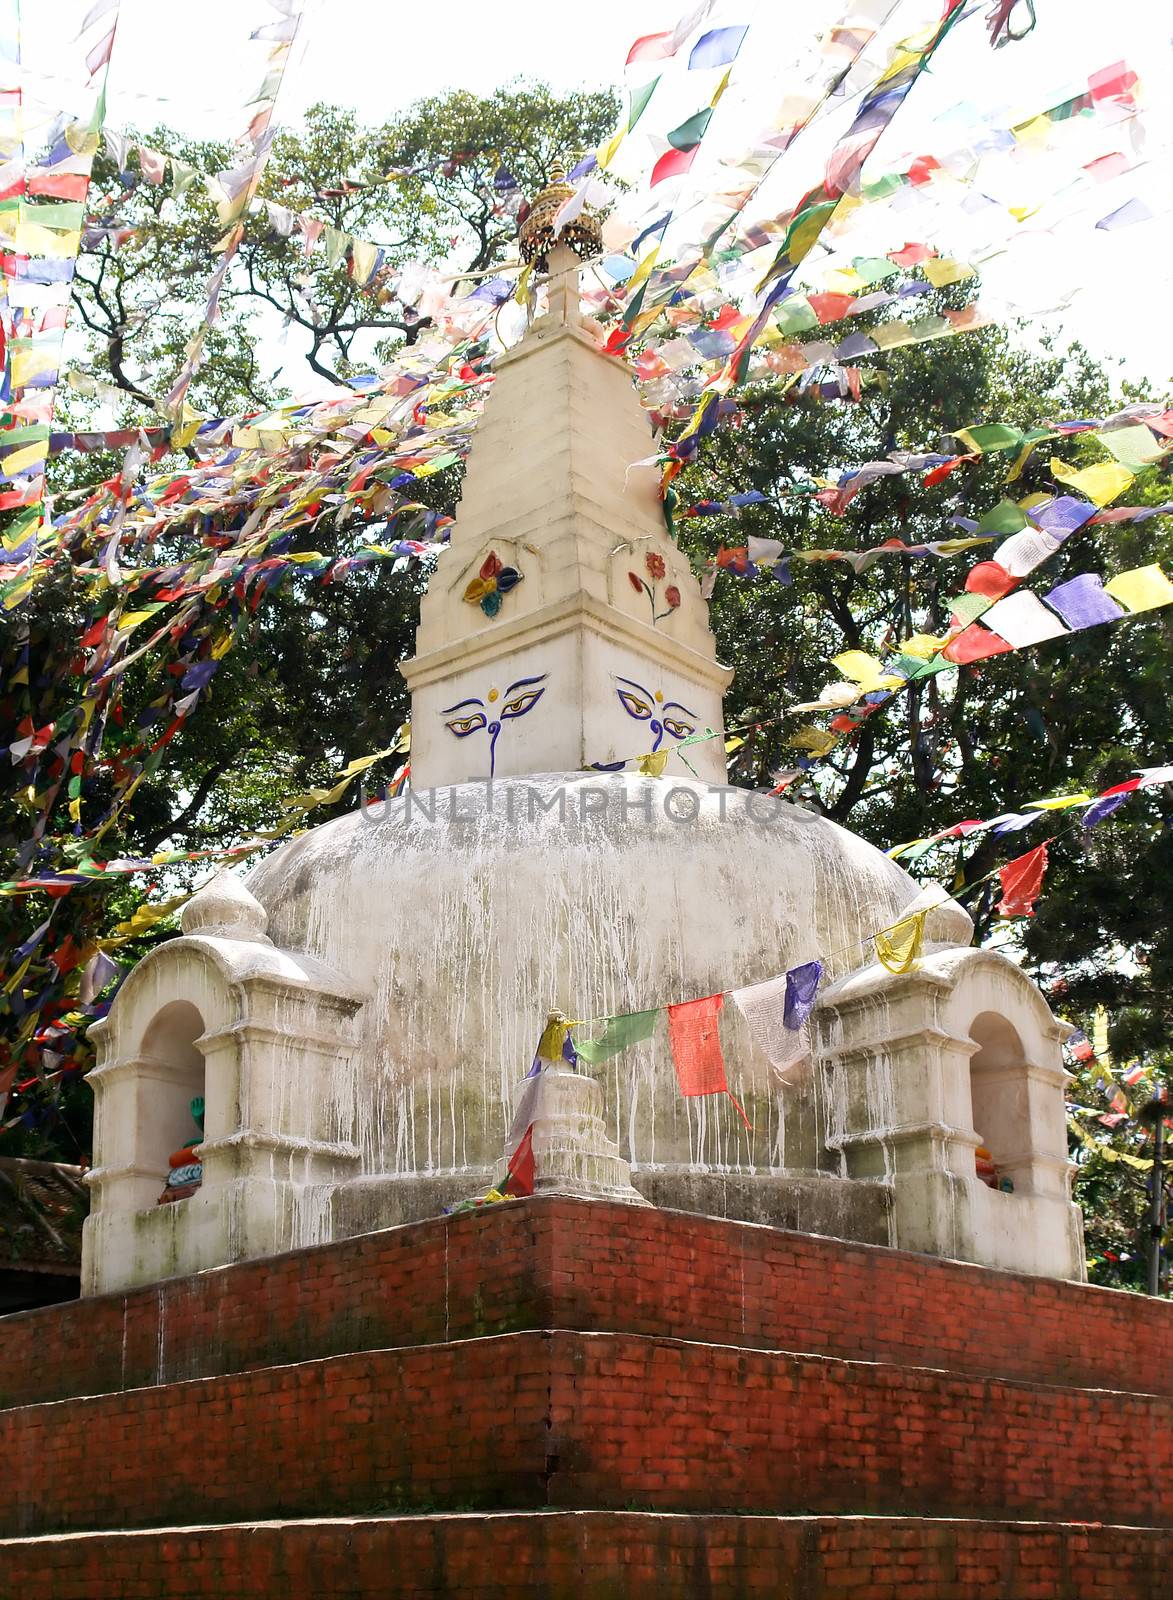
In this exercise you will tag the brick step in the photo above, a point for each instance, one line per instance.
(597, 1555)
(591, 1421)
(595, 1267)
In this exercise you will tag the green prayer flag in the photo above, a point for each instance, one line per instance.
(639, 102)
(969, 607)
(690, 133)
(1004, 518)
(1134, 448)
(992, 436)
(617, 1034)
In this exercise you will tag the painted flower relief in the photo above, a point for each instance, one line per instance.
(477, 716)
(494, 582)
(656, 569)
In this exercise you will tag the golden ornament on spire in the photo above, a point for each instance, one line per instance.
(535, 233)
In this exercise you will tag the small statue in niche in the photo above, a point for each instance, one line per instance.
(187, 1169)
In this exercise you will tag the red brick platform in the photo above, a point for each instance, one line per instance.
(556, 1398)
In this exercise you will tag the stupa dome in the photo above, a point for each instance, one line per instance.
(465, 914)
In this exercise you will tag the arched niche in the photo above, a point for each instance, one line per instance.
(1000, 1096)
(170, 1045)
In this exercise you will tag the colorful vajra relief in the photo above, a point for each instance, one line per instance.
(471, 716)
(494, 582)
(656, 570)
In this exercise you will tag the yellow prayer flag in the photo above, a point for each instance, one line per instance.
(891, 335)
(924, 646)
(1060, 802)
(1101, 484)
(1142, 589)
(652, 766)
(132, 619)
(30, 454)
(943, 270)
(26, 364)
(816, 740)
(899, 947)
(865, 670)
(899, 850)
(1100, 1037)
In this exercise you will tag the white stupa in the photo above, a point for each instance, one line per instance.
(359, 1017)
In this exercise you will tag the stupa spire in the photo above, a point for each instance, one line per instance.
(563, 631)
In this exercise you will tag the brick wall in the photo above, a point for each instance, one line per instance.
(603, 1421)
(619, 1556)
(565, 1263)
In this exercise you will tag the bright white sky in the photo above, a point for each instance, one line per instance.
(194, 69)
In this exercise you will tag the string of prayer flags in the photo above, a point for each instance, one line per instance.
(618, 1034)
(898, 948)
(1022, 883)
(239, 185)
(1099, 807)
(696, 1049)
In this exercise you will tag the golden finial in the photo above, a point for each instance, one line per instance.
(535, 234)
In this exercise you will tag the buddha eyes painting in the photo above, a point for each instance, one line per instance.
(665, 718)
(471, 716)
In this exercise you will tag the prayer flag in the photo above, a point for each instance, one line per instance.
(899, 947)
(1022, 883)
(975, 643)
(520, 1180)
(672, 164)
(618, 1033)
(717, 48)
(1126, 216)
(1022, 619)
(802, 988)
(1142, 589)
(1082, 602)
(1102, 483)
(651, 47)
(779, 1028)
(696, 1048)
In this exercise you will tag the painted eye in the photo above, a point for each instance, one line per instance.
(463, 726)
(523, 703)
(679, 730)
(633, 705)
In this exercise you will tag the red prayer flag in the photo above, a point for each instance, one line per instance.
(939, 474)
(975, 643)
(990, 579)
(652, 47)
(696, 1048)
(672, 164)
(1022, 883)
(520, 1180)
